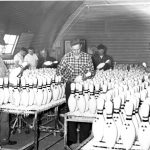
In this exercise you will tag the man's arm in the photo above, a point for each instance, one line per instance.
(61, 67)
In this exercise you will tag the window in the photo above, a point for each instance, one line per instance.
(10, 41)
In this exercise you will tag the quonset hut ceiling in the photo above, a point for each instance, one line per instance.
(29, 15)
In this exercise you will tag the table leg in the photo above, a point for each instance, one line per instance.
(65, 131)
(35, 122)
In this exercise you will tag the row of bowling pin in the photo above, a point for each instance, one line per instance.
(86, 96)
(31, 91)
(114, 126)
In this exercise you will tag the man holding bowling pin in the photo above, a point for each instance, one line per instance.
(74, 67)
(100, 59)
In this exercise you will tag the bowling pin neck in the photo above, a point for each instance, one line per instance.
(72, 92)
(44, 86)
(27, 85)
(5, 85)
(39, 87)
(77, 92)
(116, 111)
(133, 112)
(15, 87)
(34, 86)
(128, 117)
(109, 116)
(145, 119)
(99, 112)
(122, 106)
(30, 86)
(80, 93)
(91, 93)
(85, 91)
(23, 87)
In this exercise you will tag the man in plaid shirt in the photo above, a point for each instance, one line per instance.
(74, 67)
(75, 63)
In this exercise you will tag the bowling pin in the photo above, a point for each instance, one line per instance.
(55, 90)
(2, 96)
(31, 92)
(110, 129)
(116, 115)
(6, 91)
(24, 93)
(99, 122)
(39, 93)
(16, 93)
(128, 129)
(92, 105)
(144, 127)
(72, 102)
(49, 90)
(81, 100)
(45, 94)
(86, 95)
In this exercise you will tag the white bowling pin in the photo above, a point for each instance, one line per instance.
(55, 90)
(49, 90)
(144, 127)
(31, 92)
(81, 100)
(2, 96)
(6, 90)
(128, 129)
(97, 90)
(86, 95)
(24, 93)
(99, 122)
(39, 93)
(92, 105)
(110, 130)
(45, 94)
(72, 103)
(116, 116)
(35, 82)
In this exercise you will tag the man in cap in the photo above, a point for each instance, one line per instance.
(100, 59)
(74, 67)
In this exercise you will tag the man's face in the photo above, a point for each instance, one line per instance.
(23, 53)
(101, 52)
(30, 51)
(43, 54)
(76, 49)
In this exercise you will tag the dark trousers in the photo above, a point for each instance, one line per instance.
(4, 127)
(84, 128)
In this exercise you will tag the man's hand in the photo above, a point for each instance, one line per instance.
(101, 65)
(88, 74)
(108, 61)
(144, 65)
(78, 79)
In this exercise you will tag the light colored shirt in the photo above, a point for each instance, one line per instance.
(3, 69)
(18, 58)
(32, 60)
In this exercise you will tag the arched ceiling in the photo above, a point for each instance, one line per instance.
(23, 16)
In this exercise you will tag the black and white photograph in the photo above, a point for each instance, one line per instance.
(75, 75)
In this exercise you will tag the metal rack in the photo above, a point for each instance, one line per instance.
(35, 110)
(75, 117)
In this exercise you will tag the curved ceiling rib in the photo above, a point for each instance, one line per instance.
(68, 24)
